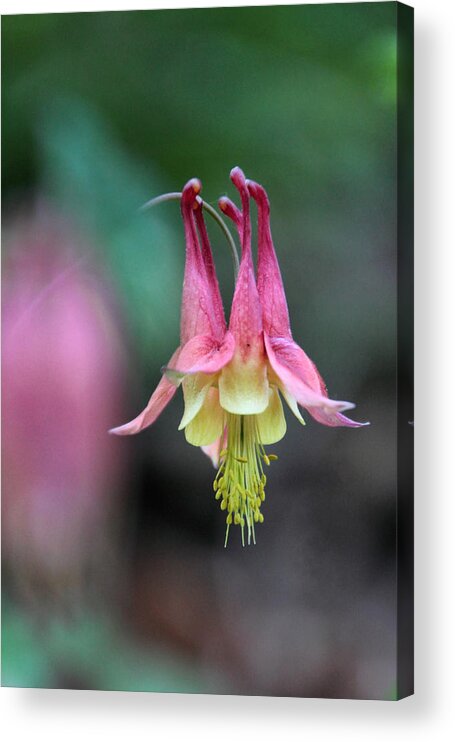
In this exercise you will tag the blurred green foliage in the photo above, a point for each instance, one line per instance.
(207, 88)
(89, 652)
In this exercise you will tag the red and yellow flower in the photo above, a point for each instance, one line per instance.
(233, 377)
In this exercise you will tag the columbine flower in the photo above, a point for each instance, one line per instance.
(232, 379)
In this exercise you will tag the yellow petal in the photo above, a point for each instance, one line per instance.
(292, 404)
(272, 423)
(244, 389)
(195, 389)
(208, 424)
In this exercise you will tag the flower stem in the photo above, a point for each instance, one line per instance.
(176, 196)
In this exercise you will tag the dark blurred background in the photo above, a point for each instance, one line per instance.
(114, 571)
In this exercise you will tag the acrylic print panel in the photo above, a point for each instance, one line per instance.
(246, 531)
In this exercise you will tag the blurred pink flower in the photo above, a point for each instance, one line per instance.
(61, 388)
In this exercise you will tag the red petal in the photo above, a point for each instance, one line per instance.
(270, 284)
(246, 314)
(334, 419)
(202, 354)
(198, 316)
(300, 377)
(157, 402)
(218, 320)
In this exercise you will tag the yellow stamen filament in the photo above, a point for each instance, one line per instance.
(240, 480)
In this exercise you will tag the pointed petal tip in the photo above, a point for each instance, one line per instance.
(354, 423)
(338, 420)
(342, 406)
(333, 412)
(122, 430)
(212, 451)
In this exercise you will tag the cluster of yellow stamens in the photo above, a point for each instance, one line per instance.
(240, 481)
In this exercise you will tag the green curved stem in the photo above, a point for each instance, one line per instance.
(176, 196)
